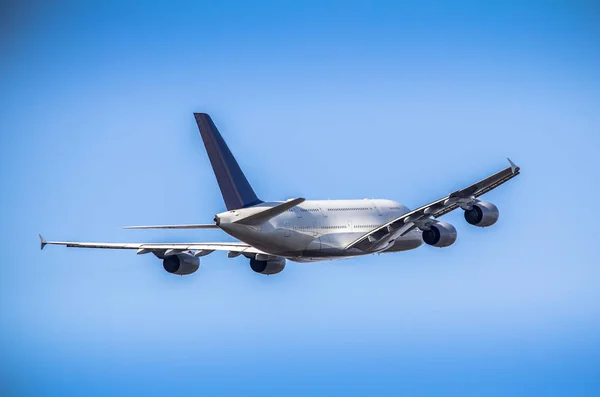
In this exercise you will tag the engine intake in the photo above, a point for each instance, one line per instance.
(440, 234)
(273, 265)
(181, 264)
(482, 214)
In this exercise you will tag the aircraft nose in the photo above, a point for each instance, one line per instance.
(217, 220)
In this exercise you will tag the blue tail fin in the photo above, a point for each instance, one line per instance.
(236, 191)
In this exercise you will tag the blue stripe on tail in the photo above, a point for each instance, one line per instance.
(236, 191)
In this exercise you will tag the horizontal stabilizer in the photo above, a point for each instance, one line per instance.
(271, 212)
(193, 226)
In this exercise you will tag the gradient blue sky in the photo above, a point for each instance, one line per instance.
(320, 100)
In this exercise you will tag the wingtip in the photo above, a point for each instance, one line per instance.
(513, 167)
(43, 242)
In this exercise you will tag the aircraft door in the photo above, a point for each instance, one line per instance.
(376, 208)
(323, 211)
(286, 229)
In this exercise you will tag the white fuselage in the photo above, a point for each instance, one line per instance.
(318, 229)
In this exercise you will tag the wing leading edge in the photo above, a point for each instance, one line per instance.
(409, 221)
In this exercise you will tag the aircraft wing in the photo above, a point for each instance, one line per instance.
(160, 248)
(409, 221)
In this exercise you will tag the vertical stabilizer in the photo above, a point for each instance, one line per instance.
(236, 191)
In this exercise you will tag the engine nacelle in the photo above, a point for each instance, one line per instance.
(440, 234)
(181, 264)
(272, 265)
(482, 214)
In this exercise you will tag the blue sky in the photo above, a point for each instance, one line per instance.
(319, 100)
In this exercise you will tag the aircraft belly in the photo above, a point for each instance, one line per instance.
(333, 244)
(410, 241)
(276, 241)
(313, 248)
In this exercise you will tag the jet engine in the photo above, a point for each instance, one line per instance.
(440, 234)
(482, 214)
(267, 264)
(181, 264)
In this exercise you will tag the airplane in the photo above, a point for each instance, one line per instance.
(300, 230)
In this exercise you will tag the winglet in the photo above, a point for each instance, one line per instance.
(42, 242)
(513, 166)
